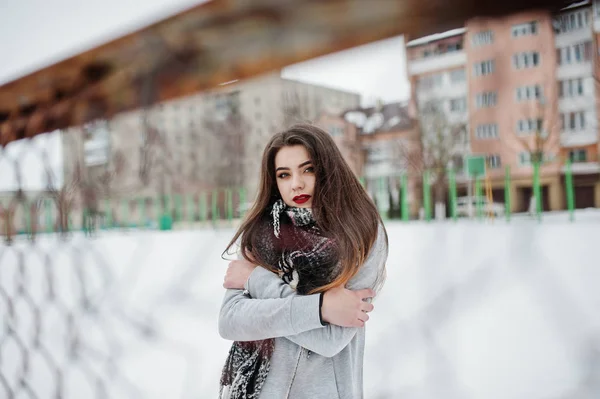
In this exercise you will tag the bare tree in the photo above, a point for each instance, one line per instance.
(227, 130)
(441, 142)
(296, 108)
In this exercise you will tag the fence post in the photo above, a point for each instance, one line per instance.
(404, 198)
(142, 211)
(382, 195)
(48, 214)
(242, 207)
(126, 217)
(537, 192)
(229, 201)
(570, 191)
(215, 210)
(190, 208)
(108, 219)
(178, 208)
(507, 201)
(452, 188)
(426, 196)
(478, 202)
(203, 207)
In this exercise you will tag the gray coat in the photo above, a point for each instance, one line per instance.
(310, 361)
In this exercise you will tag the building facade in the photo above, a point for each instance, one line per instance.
(212, 140)
(529, 82)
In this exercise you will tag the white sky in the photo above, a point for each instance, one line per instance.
(37, 33)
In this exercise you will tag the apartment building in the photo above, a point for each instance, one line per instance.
(205, 141)
(380, 144)
(531, 90)
(437, 70)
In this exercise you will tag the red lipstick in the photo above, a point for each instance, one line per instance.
(301, 199)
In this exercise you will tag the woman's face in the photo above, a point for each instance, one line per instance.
(295, 176)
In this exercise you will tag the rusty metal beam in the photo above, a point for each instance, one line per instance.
(215, 42)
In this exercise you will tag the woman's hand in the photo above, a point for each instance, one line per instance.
(237, 274)
(346, 308)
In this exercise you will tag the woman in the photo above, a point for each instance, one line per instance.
(313, 252)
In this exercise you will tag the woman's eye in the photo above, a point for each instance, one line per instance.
(283, 175)
(310, 169)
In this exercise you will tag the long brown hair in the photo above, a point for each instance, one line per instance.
(341, 207)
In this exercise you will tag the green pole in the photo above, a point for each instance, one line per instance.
(125, 217)
(48, 214)
(27, 217)
(570, 191)
(537, 192)
(108, 213)
(215, 209)
(426, 196)
(507, 202)
(242, 202)
(452, 193)
(229, 199)
(362, 181)
(478, 202)
(190, 208)
(382, 195)
(404, 198)
(157, 209)
(178, 208)
(203, 207)
(142, 211)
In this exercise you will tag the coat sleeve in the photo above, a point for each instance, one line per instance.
(331, 339)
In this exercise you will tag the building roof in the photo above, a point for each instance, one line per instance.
(379, 119)
(435, 37)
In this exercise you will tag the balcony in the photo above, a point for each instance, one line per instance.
(583, 168)
(578, 138)
(436, 62)
(574, 70)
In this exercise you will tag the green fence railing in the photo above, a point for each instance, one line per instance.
(222, 206)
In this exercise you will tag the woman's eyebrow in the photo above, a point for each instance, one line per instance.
(299, 166)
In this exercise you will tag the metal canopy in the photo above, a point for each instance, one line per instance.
(216, 42)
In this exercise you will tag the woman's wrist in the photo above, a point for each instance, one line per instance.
(323, 322)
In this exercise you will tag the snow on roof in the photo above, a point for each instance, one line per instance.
(436, 36)
(577, 4)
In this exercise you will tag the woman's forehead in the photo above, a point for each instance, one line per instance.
(291, 156)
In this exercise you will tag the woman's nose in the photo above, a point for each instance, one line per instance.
(297, 182)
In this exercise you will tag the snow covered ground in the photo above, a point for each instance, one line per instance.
(469, 310)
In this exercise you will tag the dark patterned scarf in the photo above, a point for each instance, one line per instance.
(305, 259)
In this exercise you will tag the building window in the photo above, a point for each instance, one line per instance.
(526, 93)
(493, 161)
(574, 54)
(578, 155)
(458, 76)
(484, 68)
(486, 99)
(524, 158)
(528, 28)
(527, 59)
(573, 121)
(458, 104)
(483, 38)
(570, 88)
(487, 131)
(336, 131)
(529, 125)
(430, 81)
(570, 22)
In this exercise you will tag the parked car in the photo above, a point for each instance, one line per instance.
(488, 209)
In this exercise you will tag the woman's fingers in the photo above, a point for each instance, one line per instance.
(367, 307)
